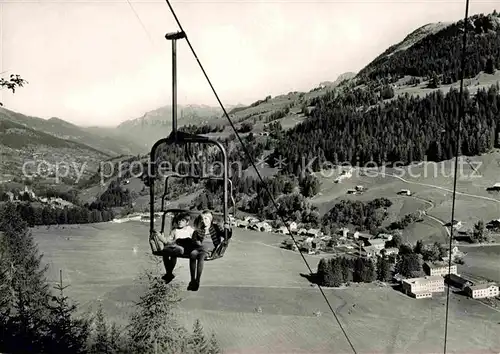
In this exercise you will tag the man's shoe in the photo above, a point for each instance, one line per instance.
(168, 278)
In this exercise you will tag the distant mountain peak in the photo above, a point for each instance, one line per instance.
(342, 77)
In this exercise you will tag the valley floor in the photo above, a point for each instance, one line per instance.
(100, 263)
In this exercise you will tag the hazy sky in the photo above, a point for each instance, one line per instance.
(91, 62)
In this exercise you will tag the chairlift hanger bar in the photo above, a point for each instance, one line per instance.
(174, 36)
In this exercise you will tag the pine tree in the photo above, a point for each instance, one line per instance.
(323, 272)
(213, 345)
(490, 66)
(101, 342)
(114, 339)
(197, 341)
(153, 326)
(419, 247)
(383, 269)
(67, 335)
(336, 272)
(28, 292)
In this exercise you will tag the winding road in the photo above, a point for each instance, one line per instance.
(432, 205)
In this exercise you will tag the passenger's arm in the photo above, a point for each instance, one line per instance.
(163, 239)
(195, 236)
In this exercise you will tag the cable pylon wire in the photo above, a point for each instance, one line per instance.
(257, 171)
(457, 147)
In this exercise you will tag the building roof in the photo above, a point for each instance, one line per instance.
(371, 248)
(438, 264)
(377, 241)
(458, 279)
(415, 281)
(482, 286)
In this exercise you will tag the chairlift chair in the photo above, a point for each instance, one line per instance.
(179, 138)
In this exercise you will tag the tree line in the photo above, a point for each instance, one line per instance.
(36, 319)
(35, 215)
(364, 215)
(114, 196)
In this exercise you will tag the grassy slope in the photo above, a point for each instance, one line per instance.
(20, 144)
(99, 263)
(431, 186)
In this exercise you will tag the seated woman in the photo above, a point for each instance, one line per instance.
(207, 237)
(178, 243)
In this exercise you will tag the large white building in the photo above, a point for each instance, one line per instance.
(440, 268)
(482, 291)
(423, 287)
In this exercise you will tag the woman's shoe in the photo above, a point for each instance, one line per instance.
(168, 278)
(191, 285)
(196, 286)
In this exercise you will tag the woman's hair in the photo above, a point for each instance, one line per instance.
(179, 217)
(208, 213)
(198, 222)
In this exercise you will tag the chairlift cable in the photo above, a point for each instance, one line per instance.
(257, 171)
(457, 146)
(141, 23)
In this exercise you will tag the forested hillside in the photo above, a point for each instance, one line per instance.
(441, 53)
(402, 130)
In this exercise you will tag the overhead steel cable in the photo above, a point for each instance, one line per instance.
(257, 171)
(460, 116)
(141, 23)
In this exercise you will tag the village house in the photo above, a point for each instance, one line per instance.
(377, 243)
(343, 232)
(353, 235)
(391, 251)
(455, 252)
(292, 226)
(364, 237)
(420, 288)
(302, 232)
(347, 173)
(351, 191)
(243, 224)
(314, 232)
(251, 220)
(482, 291)
(495, 187)
(29, 192)
(282, 230)
(457, 281)
(9, 196)
(438, 268)
(263, 227)
(456, 224)
(387, 237)
(404, 192)
(371, 251)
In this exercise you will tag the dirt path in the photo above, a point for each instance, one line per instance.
(441, 188)
(432, 205)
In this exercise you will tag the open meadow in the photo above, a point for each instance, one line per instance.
(100, 263)
(431, 186)
(482, 262)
